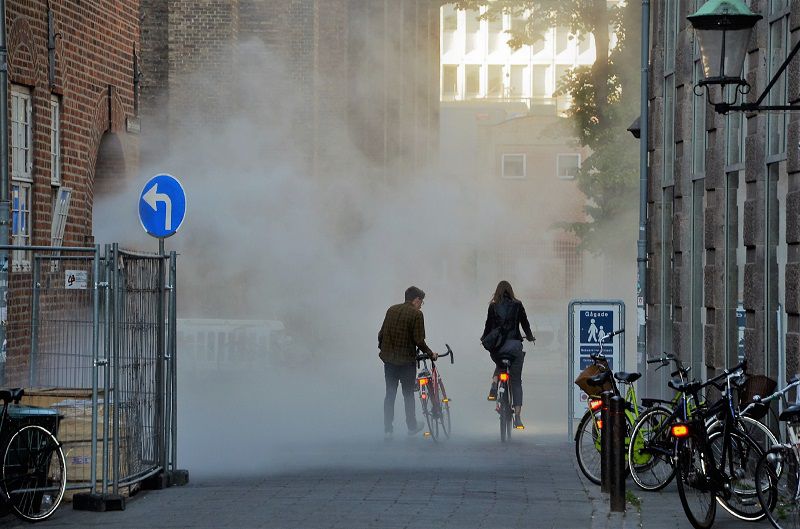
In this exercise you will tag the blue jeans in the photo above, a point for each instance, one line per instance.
(407, 376)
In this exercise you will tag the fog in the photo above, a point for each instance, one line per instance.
(264, 239)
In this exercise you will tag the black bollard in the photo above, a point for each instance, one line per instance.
(617, 481)
(605, 441)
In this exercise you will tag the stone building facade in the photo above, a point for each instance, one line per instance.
(724, 202)
(71, 109)
(329, 48)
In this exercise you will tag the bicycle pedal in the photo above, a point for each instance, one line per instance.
(426, 434)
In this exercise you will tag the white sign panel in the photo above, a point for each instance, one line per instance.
(590, 321)
(78, 279)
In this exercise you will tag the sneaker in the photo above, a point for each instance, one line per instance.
(387, 436)
(518, 423)
(492, 392)
(416, 429)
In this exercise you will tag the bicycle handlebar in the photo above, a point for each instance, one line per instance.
(426, 356)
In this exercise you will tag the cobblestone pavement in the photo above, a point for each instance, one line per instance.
(532, 482)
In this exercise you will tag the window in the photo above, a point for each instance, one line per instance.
(60, 211)
(449, 18)
(698, 125)
(495, 88)
(778, 43)
(473, 22)
(55, 141)
(21, 134)
(515, 86)
(449, 81)
(568, 165)
(495, 26)
(539, 82)
(585, 44)
(514, 166)
(20, 223)
(472, 80)
(562, 39)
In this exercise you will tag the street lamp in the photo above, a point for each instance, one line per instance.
(723, 30)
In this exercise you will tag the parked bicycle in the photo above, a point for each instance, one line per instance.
(588, 435)
(33, 469)
(778, 470)
(716, 466)
(433, 397)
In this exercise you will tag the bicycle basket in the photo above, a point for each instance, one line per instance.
(582, 381)
(756, 385)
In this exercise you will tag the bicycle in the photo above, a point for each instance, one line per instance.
(433, 397)
(588, 435)
(505, 399)
(33, 469)
(716, 466)
(778, 471)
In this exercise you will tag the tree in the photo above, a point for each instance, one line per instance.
(605, 98)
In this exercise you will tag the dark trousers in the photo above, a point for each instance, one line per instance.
(407, 376)
(511, 349)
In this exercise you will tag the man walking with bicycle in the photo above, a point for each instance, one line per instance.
(402, 333)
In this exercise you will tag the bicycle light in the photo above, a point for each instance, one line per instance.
(504, 377)
(599, 424)
(679, 430)
(423, 396)
(595, 404)
(423, 381)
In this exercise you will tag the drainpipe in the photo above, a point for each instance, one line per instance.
(5, 212)
(641, 257)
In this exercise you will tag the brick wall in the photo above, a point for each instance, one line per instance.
(94, 51)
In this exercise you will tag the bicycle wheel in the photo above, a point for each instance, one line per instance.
(778, 490)
(34, 473)
(650, 451)
(587, 446)
(696, 495)
(504, 408)
(427, 411)
(444, 411)
(740, 463)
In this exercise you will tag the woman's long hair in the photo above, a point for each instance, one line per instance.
(503, 289)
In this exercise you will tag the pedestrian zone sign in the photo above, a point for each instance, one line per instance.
(162, 206)
(589, 321)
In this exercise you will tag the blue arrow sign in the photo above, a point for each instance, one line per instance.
(162, 206)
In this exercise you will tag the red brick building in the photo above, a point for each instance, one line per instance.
(73, 124)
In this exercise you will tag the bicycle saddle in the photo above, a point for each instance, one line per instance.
(599, 379)
(791, 414)
(9, 395)
(622, 376)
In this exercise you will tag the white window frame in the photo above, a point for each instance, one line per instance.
(61, 202)
(524, 166)
(20, 223)
(561, 156)
(21, 140)
(55, 141)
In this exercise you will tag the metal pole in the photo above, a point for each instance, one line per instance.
(160, 362)
(617, 434)
(34, 322)
(5, 206)
(605, 441)
(173, 323)
(641, 245)
(115, 344)
(107, 387)
(95, 361)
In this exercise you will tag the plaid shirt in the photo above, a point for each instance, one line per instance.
(403, 330)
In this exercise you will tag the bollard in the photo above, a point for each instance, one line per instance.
(617, 471)
(605, 441)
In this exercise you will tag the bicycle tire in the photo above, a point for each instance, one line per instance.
(505, 412)
(444, 407)
(698, 504)
(651, 450)
(33, 473)
(426, 411)
(743, 457)
(587, 446)
(781, 505)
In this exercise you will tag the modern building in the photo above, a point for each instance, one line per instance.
(723, 221)
(73, 132)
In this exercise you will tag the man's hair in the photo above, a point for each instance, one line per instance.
(413, 293)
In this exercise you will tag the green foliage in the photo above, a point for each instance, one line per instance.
(605, 101)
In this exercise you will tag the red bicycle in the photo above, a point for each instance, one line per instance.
(433, 397)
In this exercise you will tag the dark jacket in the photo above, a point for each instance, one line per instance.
(499, 311)
(403, 330)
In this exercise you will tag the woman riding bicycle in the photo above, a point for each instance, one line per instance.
(507, 313)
